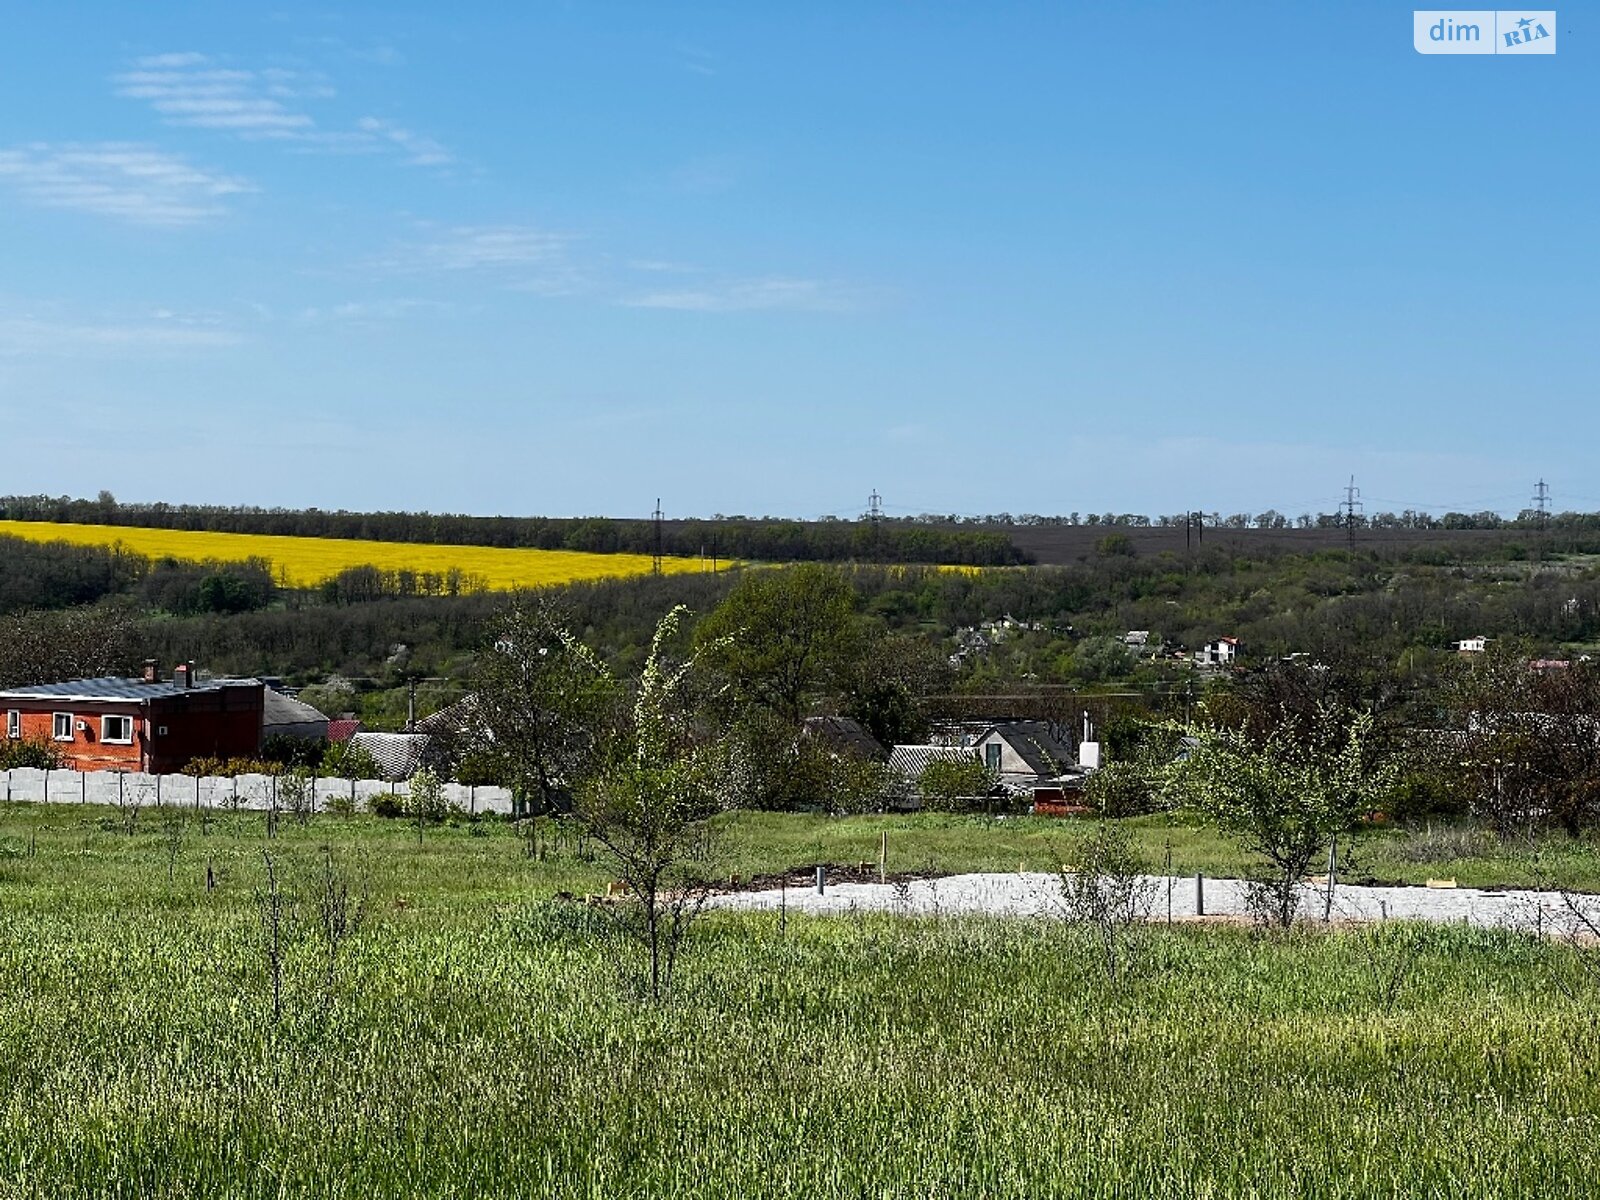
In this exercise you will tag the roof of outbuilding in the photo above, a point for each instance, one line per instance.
(278, 709)
(398, 755)
(113, 687)
(845, 735)
(911, 761)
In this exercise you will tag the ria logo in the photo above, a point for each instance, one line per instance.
(1484, 31)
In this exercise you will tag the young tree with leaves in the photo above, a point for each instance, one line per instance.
(1286, 795)
(658, 780)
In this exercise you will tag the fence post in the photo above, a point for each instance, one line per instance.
(1199, 895)
(1333, 870)
(822, 880)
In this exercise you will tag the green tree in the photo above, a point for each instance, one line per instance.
(1285, 796)
(540, 699)
(781, 636)
(886, 679)
(1100, 658)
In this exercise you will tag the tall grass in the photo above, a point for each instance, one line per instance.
(479, 1040)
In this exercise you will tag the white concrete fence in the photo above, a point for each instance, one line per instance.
(221, 792)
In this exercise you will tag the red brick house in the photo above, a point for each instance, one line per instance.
(144, 724)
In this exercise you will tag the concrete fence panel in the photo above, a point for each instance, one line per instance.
(31, 785)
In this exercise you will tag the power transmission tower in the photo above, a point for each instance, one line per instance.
(1541, 503)
(655, 566)
(875, 518)
(1353, 508)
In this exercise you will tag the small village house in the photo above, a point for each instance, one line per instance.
(144, 724)
(1222, 652)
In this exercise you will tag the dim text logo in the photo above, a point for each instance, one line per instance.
(1484, 31)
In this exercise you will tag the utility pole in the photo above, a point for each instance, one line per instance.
(655, 566)
(1352, 508)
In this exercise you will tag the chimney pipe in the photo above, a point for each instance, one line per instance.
(183, 674)
(152, 673)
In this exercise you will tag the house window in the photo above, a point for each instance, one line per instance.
(991, 756)
(117, 730)
(61, 727)
(13, 724)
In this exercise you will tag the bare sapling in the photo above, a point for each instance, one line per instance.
(173, 823)
(275, 919)
(1105, 889)
(340, 916)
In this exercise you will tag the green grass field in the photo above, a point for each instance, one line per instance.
(479, 1039)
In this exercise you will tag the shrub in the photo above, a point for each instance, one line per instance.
(212, 765)
(1120, 789)
(30, 752)
(344, 760)
(946, 785)
(386, 805)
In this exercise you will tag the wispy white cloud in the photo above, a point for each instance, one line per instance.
(749, 295)
(696, 59)
(373, 312)
(266, 103)
(192, 90)
(28, 336)
(418, 151)
(119, 179)
(157, 62)
(664, 266)
(503, 248)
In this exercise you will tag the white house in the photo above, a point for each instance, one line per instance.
(1220, 653)
(1471, 645)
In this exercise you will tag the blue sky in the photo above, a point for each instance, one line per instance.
(566, 258)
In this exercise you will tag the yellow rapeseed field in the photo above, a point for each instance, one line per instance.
(306, 562)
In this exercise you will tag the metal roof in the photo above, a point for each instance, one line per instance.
(113, 687)
(280, 711)
(398, 755)
(909, 761)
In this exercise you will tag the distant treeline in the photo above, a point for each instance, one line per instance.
(762, 539)
(49, 575)
(1528, 518)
